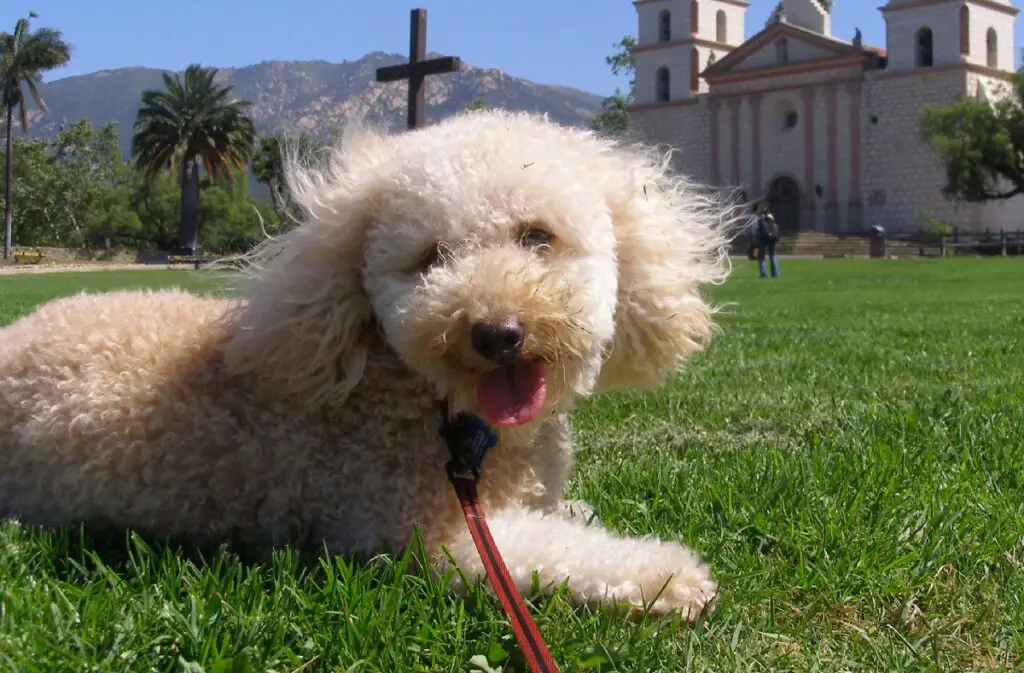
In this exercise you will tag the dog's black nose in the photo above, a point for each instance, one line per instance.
(498, 341)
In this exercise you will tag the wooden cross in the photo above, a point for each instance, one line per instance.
(418, 68)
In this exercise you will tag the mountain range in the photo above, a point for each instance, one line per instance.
(313, 96)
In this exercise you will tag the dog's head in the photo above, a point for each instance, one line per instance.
(513, 263)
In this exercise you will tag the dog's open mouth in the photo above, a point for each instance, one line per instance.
(512, 394)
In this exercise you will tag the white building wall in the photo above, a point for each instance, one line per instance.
(903, 177)
(676, 59)
(725, 143)
(782, 149)
(796, 52)
(901, 34)
(649, 22)
(983, 18)
(845, 118)
(707, 26)
(682, 127)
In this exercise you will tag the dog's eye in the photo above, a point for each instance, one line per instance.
(433, 257)
(534, 238)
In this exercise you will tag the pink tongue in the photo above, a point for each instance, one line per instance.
(512, 395)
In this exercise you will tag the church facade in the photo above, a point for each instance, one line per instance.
(826, 129)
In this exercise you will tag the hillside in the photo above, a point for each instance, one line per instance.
(315, 96)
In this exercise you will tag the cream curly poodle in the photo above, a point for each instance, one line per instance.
(499, 261)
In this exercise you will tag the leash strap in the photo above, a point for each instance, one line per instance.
(468, 439)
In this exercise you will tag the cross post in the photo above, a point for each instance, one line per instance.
(418, 68)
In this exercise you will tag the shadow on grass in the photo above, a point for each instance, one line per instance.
(83, 548)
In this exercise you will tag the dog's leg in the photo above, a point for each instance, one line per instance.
(598, 566)
(552, 460)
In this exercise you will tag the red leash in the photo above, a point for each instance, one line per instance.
(468, 439)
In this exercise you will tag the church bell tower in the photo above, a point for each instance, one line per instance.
(950, 32)
(675, 41)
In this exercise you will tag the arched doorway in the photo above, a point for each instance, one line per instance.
(784, 202)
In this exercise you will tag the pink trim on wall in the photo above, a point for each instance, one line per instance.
(808, 94)
(734, 108)
(855, 122)
(776, 89)
(716, 173)
(831, 93)
(755, 106)
(772, 71)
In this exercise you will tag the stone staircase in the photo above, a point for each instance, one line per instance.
(821, 244)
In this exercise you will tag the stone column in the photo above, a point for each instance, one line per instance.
(734, 115)
(854, 208)
(714, 105)
(755, 109)
(807, 217)
(831, 199)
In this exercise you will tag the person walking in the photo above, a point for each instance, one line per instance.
(767, 237)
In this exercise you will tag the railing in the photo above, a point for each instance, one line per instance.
(1004, 243)
(901, 244)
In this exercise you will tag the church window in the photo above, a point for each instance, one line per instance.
(694, 17)
(785, 115)
(721, 26)
(782, 50)
(965, 30)
(694, 70)
(925, 56)
(992, 47)
(663, 92)
(665, 26)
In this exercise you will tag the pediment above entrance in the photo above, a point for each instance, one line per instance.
(782, 48)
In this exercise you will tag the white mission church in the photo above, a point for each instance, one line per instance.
(827, 128)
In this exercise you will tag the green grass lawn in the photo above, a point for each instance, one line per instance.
(849, 457)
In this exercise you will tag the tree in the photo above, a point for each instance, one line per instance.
(67, 186)
(269, 167)
(613, 118)
(981, 144)
(477, 103)
(24, 57)
(191, 124)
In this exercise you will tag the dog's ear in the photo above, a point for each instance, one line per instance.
(302, 334)
(670, 240)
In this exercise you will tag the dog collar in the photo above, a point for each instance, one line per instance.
(469, 438)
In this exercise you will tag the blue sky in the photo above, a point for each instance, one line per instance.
(549, 41)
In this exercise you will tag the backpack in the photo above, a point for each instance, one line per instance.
(769, 228)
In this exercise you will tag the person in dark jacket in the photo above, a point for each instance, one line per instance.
(767, 237)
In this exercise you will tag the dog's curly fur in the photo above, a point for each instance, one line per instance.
(309, 410)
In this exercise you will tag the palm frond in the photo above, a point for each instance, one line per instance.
(194, 119)
(24, 56)
(31, 83)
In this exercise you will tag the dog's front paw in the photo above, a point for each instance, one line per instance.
(691, 592)
(673, 580)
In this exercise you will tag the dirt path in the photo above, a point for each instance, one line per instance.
(16, 269)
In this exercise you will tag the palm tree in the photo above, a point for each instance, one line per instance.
(192, 122)
(24, 57)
